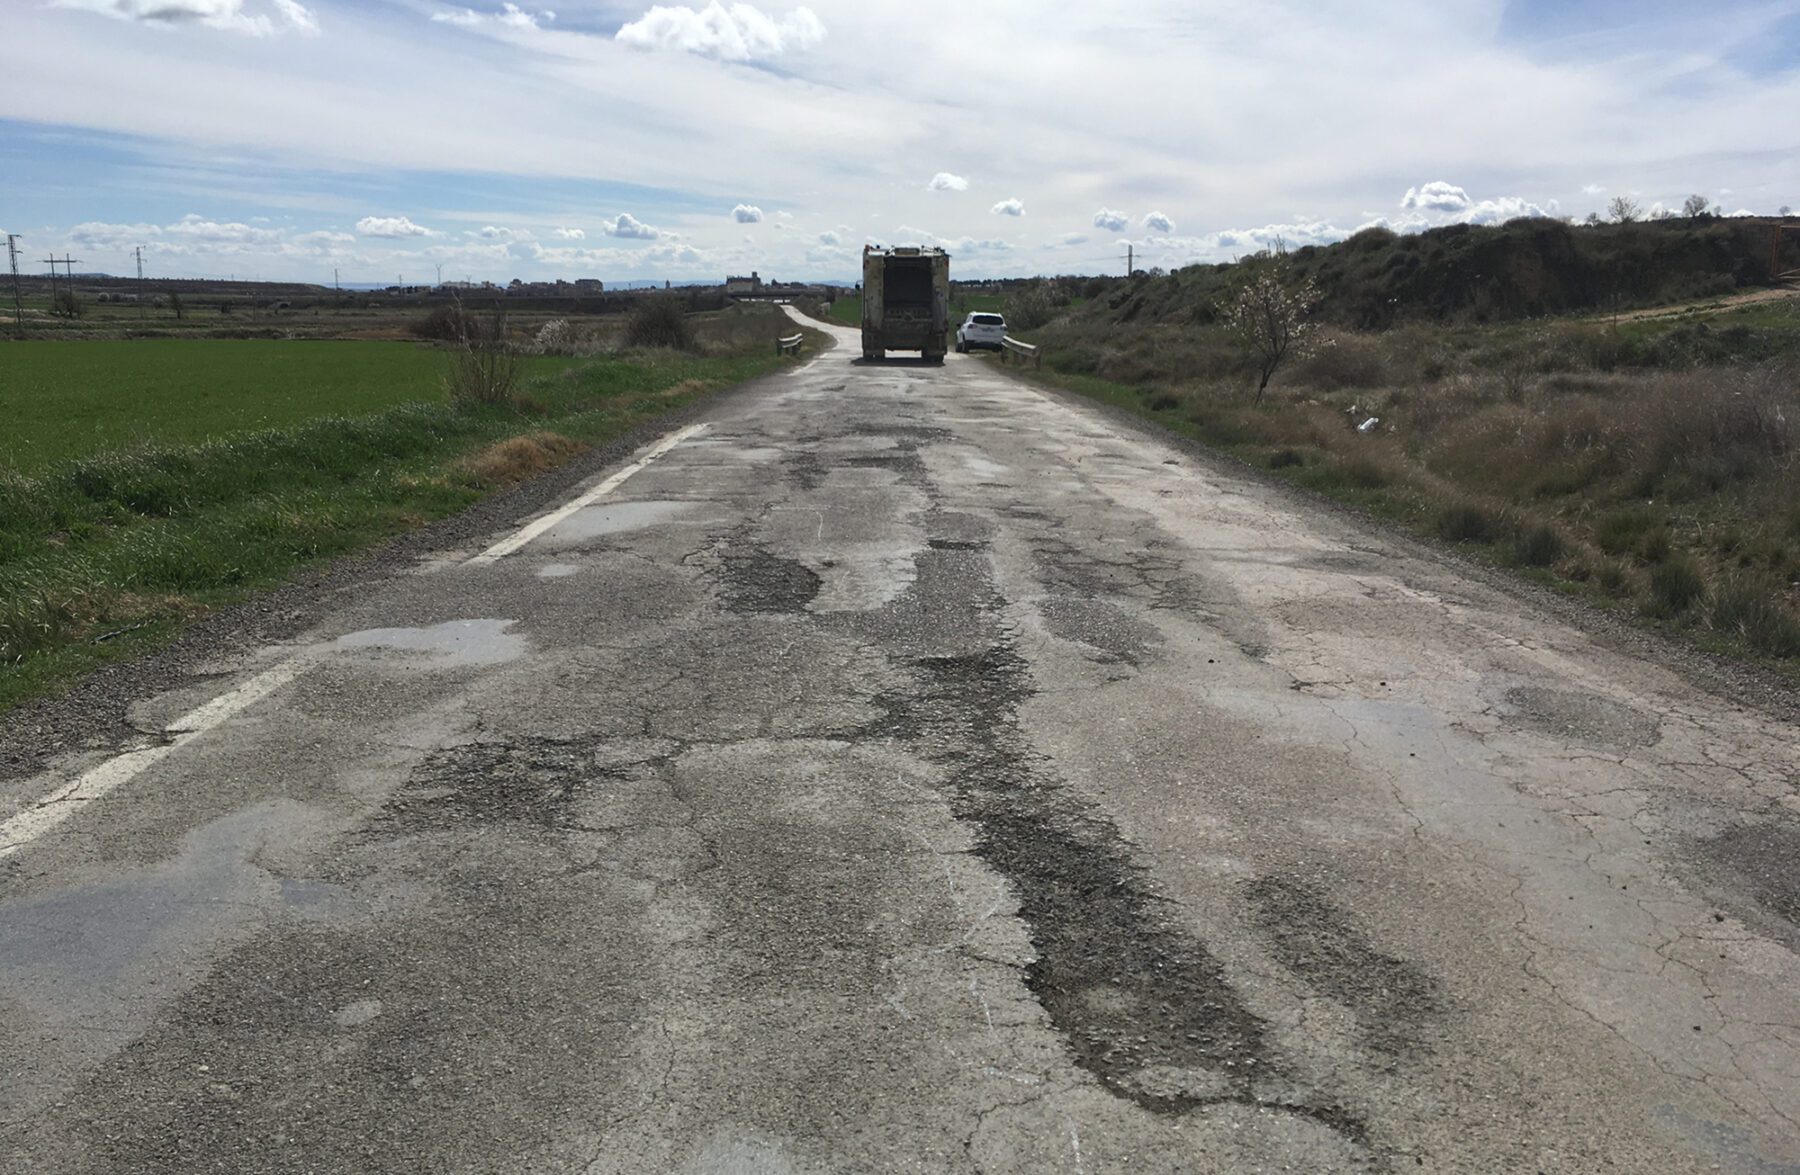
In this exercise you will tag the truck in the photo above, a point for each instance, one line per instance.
(905, 301)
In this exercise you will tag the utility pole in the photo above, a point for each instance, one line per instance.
(1128, 261)
(68, 263)
(440, 270)
(12, 257)
(143, 306)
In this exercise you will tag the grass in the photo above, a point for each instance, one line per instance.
(106, 554)
(65, 400)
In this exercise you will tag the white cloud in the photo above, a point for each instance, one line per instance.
(1111, 221)
(1437, 196)
(629, 227)
(943, 181)
(1505, 208)
(742, 32)
(829, 238)
(198, 228)
(1443, 203)
(571, 234)
(1592, 189)
(1009, 207)
(494, 232)
(1156, 222)
(510, 16)
(100, 235)
(390, 226)
(288, 15)
(747, 214)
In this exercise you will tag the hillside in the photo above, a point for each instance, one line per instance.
(1528, 268)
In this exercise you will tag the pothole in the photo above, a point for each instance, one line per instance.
(761, 582)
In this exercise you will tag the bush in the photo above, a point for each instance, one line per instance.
(1463, 522)
(446, 324)
(1539, 547)
(659, 322)
(1612, 578)
(1619, 531)
(1675, 586)
(1749, 611)
(1283, 458)
(484, 367)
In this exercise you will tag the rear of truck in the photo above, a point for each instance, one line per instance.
(906, 301)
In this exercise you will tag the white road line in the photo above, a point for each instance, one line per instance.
(71, 798)
(538, 526)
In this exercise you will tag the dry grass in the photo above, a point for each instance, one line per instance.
(515, 459)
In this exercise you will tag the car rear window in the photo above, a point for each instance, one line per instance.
(989, 320)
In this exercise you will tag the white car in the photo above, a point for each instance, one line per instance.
(981, 329)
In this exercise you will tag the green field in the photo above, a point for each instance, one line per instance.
(161, 479)
(65, 400)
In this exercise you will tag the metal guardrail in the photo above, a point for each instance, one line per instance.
(1027, 352)
(789, 345)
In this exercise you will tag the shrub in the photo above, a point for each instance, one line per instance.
(1620, 530)
(1463, 522)
(484, 367)
(555, 337)
(1283, 458)
(1612, 578)
(1539, 547)
(446, 324)
(1748, 610)
(1675, 586)
(659, 322)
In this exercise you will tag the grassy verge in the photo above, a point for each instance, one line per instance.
(105, 555)
(1673, 495)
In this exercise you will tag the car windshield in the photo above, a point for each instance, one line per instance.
(987, 320)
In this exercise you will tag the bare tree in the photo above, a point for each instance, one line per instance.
(1694, 207)
(1269, 316)
(1785, 210)
(1623, 210)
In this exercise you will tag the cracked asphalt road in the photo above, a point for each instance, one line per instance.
(913, 771)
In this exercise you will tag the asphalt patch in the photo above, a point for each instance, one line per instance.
(1317, 940)
(806, 469)
(531, 781)
(761, 582)
(1102, 627)
(1142, 1002)
(904, 461)
(1583, 717)
(1760, 862)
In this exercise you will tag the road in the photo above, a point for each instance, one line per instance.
(901, 769)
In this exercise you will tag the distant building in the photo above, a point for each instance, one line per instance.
(744, 285)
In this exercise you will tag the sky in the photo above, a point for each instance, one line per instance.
(387, 140)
